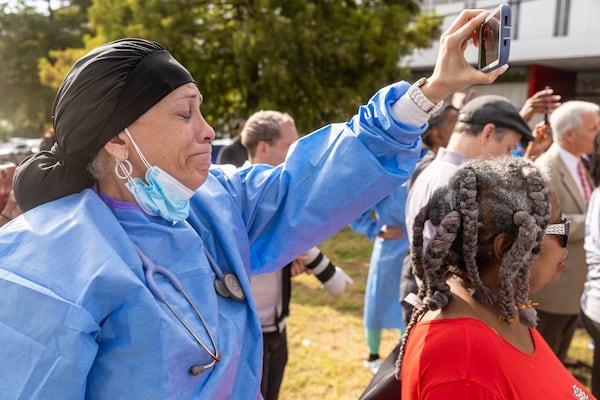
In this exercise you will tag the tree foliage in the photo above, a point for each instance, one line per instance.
(315, 59)
(27, 38)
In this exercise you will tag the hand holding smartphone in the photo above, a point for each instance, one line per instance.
(494, 39)
(546, 110)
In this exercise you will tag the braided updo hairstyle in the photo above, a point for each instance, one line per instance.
(485, 198)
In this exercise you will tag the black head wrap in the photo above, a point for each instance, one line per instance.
(104, 92)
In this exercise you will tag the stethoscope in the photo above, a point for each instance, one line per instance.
(226, 285)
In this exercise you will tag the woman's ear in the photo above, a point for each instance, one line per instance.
(500, 246)
(118, 147)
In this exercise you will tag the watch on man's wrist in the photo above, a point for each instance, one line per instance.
(417, 96)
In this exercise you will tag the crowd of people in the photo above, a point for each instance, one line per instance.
(133, 268)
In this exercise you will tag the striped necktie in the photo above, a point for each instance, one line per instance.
(587, 190)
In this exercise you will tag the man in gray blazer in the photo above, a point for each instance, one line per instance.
(574, 127)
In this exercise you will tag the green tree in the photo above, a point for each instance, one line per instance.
(27, 37)
(317, 60)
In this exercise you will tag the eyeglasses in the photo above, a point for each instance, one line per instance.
(561, 230)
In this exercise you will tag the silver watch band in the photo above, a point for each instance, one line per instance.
(417, 96)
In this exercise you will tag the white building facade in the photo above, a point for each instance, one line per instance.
(553, 43)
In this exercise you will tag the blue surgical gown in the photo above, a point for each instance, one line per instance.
(382, 307)
(77, 319)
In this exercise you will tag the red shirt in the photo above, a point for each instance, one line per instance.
(463, 358)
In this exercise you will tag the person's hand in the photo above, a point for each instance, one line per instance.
(298, 267)
(542, 139)
(337, 283)
(452, 72)
(543, 101)
(390, 232)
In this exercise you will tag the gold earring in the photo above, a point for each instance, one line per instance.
(509, 320)
(529, 304)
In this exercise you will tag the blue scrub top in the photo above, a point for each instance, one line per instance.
(77, 319)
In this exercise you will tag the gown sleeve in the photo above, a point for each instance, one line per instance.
(366, 225)
(329, 178)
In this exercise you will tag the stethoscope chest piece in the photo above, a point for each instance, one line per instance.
(226, 284)
(229, 286)
(232, 283)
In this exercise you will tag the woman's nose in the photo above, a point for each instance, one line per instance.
(205, 132)
(208, 134)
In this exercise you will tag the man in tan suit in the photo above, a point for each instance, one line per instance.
(574, 125)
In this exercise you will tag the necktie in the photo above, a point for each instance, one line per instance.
(587, 190)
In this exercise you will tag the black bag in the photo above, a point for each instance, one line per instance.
(384, 384)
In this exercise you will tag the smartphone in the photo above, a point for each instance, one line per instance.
(546, 113)
(494, 39)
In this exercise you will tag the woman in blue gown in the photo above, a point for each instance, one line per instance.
(128, 274)
(382, 310)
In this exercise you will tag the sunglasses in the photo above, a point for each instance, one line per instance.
(561, 230)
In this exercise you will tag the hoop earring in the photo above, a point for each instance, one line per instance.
(123, 169)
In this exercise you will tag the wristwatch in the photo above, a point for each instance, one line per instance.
(417, 96)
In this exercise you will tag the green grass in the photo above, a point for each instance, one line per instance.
(325, 335)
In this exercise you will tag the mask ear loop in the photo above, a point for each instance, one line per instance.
(124, 170)
(137, 149)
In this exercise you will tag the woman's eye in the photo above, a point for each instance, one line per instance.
(186, 116)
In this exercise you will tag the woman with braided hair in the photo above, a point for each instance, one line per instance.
(499, 237)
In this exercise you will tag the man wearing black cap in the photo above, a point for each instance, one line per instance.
(487, 126)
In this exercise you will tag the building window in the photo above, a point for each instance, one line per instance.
(515, 6)
(561, 19)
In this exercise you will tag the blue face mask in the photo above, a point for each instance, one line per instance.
(162, 194)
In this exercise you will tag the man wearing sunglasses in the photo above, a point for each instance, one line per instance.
(574, 126)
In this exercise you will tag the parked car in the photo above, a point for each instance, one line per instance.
(17, 149)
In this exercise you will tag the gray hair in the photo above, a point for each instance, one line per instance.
(98, 167)
(485, 198)
(568, 116)
(263, 126)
